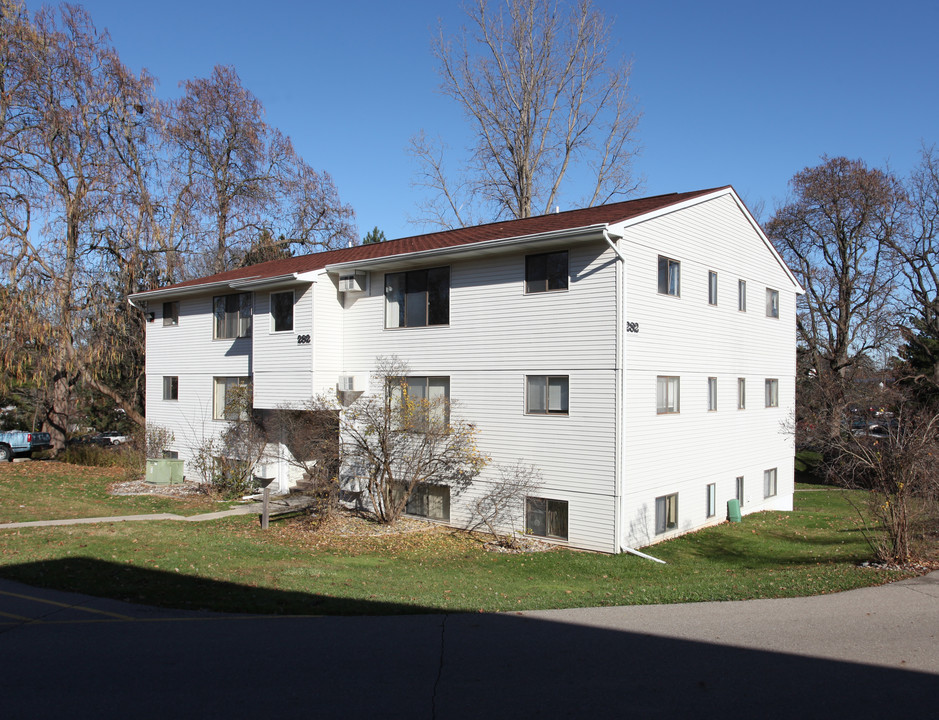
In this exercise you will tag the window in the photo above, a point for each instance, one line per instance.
(739, 493)
(282, 311)
(772, 393)
(428, 401)
(171, 454)
(742, 295)
(546, 272)
(712, 288)
(430, 501)
(772, 303)
(712, 394)
(170, 387)
(171, 313)
(712, 499)
(231, 398)
(741, 393)
(769, 483)
(546, 518)
(666, 513)
(232, 316)
(417, 298)
(666, 394)
(546, 394)
(669, 276)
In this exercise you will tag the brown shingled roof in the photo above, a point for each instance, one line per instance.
(602, 214)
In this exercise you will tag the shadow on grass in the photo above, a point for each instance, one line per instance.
(177, 590)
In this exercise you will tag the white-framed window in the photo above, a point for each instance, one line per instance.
(417, 298)
(430, 501)
(772, 392)
(666, 513)
(669, 276)
(547, 394)
(769, 483)
(171, 313)
(712, 500)
(232, 316)
(742, 295)
(170, 387)
(546, 272)
(667, 390)
(712, 394)
(712, 287)
(772, 303)
(428, 401)
(741, 393)
(739, 490)
(231, 398)
(545, 517)
(282, 311)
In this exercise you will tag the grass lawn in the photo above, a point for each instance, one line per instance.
(232, 565)
(47, 490)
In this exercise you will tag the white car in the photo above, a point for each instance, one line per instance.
(112, 437)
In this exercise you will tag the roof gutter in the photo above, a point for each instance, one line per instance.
(249, 283)
(587, 231)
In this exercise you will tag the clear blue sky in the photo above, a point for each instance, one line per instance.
(739, 93)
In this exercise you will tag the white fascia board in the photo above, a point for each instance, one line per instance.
(621, 226)
(477, 248)
(267, 282)
(242, 284)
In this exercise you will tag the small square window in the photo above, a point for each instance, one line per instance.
(712, 499)
(742, 295)
(666, 513)
(547, 394)
(170, 387)
(712, 394)
(772, 303)
(769, 483)
(546, 272)
(669, 276)
(667, 390)
(772, 393)
(171, 313)
(546, 518)
(712, 288)
(282, 311)
(741, 393)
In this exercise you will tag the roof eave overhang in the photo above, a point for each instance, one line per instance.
(241, 284)
(485, 247)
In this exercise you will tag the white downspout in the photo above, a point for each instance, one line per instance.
(633, 551)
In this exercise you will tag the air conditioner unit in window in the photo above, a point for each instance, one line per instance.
(353, 282)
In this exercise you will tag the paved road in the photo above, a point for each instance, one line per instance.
(869, 653)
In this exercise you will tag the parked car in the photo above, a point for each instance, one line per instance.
(22, 443)
(111, 437)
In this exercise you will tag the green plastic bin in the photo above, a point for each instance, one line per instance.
(165, 471)
(733, 510)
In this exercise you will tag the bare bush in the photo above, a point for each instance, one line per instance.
(502, 506)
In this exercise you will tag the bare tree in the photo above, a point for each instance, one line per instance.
(543, 94)
(836, 235)
(238, 179)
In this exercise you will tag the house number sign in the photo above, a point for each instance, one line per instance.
(303, 339)
(632, 327)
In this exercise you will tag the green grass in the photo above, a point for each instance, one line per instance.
(48, 490)
(232, 565)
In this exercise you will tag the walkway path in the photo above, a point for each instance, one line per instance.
(241, 510)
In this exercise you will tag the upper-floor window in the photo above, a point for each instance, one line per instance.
(712, 288)
(547, 394)
(417, 298)
(666, 394)
(545, 272)
(282, 311)
(232, 316)
(772, 392)
(772, 303)
(171, 313)
(742, 295)
(669, 276)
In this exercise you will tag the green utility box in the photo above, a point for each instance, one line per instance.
(165, 471)
(733, 510)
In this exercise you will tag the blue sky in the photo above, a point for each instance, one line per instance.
(739, 93)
